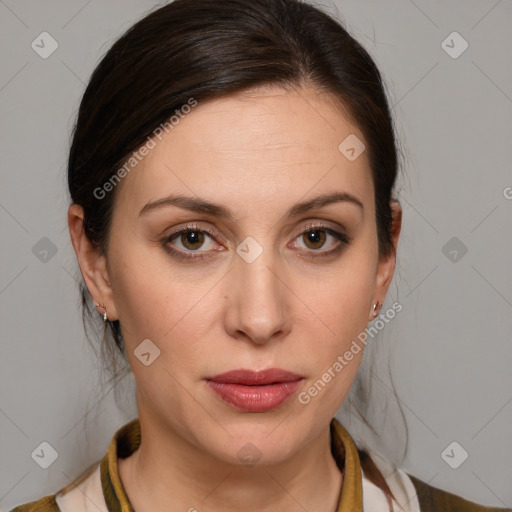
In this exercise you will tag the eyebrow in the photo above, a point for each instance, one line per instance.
(199, 205)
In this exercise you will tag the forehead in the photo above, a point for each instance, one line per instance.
(253, 145)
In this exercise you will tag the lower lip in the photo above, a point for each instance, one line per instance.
(255, 398)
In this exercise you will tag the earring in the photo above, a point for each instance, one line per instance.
(105, 318)
(376, 307)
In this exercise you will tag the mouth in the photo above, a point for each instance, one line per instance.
(255, 391)
(256, 378)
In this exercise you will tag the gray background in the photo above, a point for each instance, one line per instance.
(450, 344)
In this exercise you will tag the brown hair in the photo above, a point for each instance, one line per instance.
(207, 49)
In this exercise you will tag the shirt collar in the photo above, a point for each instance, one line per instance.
(127, 439)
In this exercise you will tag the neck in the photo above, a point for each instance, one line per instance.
(167, 472)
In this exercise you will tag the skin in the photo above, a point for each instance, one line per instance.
(257, 153)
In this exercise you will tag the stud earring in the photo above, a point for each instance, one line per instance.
(376, 307)
(105, 318)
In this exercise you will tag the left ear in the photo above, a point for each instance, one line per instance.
(386, 265)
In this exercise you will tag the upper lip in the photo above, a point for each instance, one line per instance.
(254, 378)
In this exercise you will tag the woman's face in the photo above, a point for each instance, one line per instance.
(268, 275)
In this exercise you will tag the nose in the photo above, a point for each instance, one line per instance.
(258, 308)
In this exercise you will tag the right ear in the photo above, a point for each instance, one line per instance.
(93, 264)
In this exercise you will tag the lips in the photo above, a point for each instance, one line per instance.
(256, 378)
(255, 391)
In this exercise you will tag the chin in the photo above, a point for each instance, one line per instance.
(245, 445)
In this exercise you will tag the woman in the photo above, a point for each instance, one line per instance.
(231, 176)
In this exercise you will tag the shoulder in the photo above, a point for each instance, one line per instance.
(45, 504)
(432, 499)
(415, 495)
(84, 495)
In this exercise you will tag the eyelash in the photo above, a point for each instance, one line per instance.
(343, 241)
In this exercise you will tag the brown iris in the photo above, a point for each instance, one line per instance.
(316, 237)
(192, 239)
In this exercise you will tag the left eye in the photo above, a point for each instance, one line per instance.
(315, 238)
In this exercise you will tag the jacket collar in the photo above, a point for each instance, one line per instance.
(127, 439)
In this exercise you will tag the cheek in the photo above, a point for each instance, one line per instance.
(343, 297)
(341, 305)
(156, 301)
